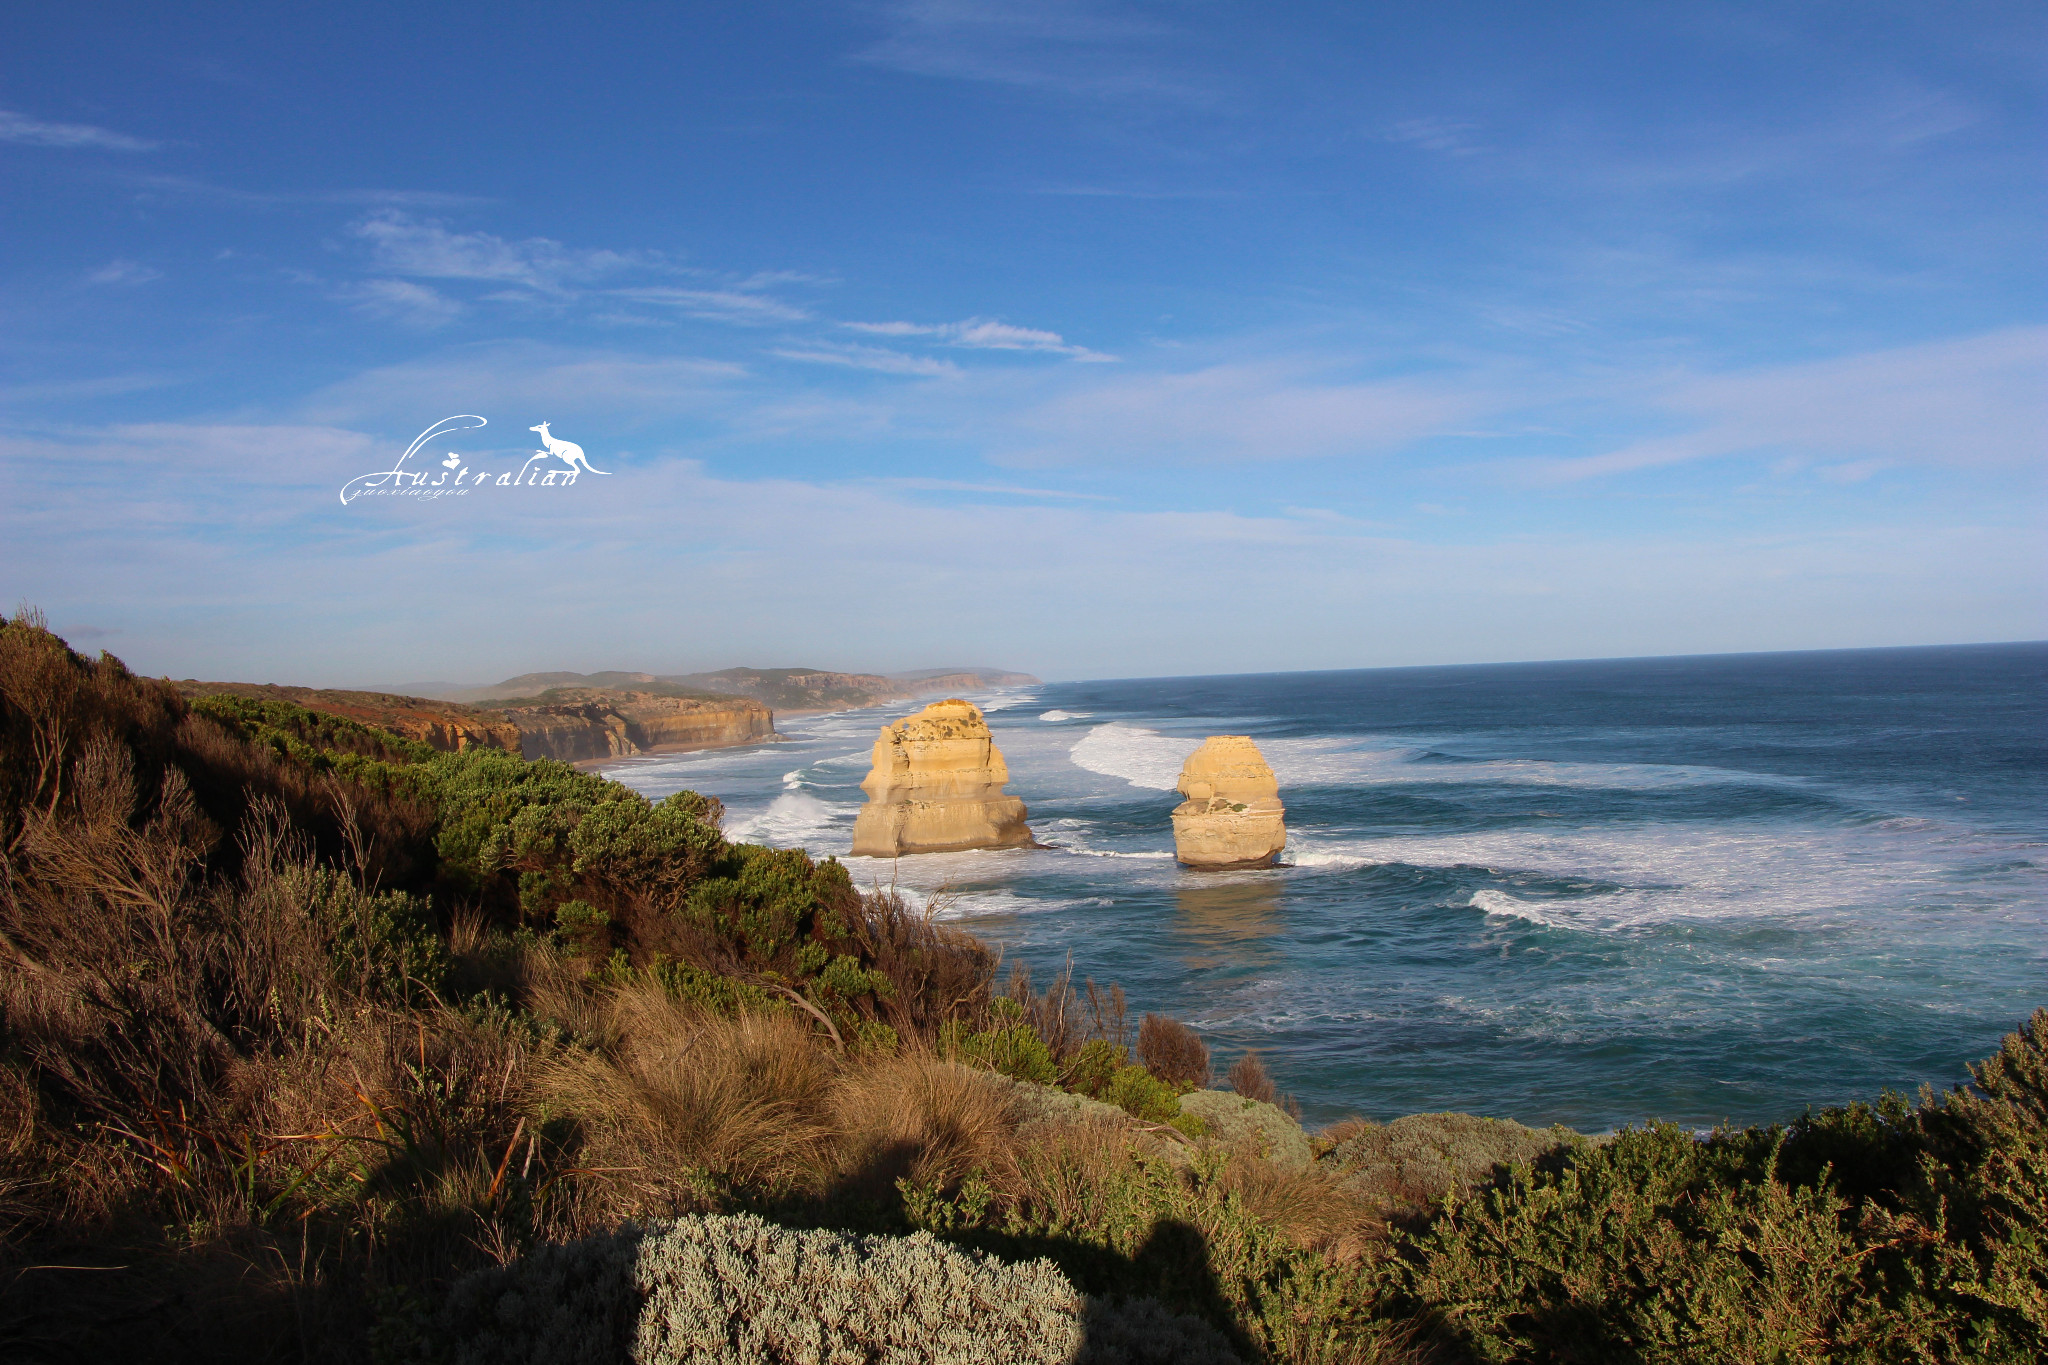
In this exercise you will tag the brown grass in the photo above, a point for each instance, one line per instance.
(676, 1103)
(675, 1095)
(921, 1118)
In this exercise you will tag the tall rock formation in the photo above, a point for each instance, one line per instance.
(1232, 816)
(937, 787)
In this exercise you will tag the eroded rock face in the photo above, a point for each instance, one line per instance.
(611, 725)
(937, 787)
(1232, 816)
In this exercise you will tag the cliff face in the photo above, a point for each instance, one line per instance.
(1232, 816)
(444, 725)
(937, 787)
(580, 725)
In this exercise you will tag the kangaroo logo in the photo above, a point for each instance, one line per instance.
(568, 452)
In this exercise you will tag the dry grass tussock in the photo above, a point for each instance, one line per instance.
(677, 1102)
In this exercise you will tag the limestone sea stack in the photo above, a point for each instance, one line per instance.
(937, 787)
(1232, 816)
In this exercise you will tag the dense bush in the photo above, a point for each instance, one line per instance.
(1173, 1052)
(1248, 1077)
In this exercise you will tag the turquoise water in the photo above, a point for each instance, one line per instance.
(1698, 889)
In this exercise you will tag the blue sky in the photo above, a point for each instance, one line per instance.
(1092, 339)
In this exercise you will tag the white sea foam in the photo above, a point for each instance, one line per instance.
(1056, 716)
(1141, 757)
(1501, 903)
(796, 819)
(1650, 874)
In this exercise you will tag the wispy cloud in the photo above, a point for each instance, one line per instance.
(403, 245)
(404, 301)
(1125, 192)
(1236, 412)
(1973, 401)
(621, 390)
(878, 358)
(124, 272)
(999, 489)
(37, 133)
(1068, 47)
(186, 186)
(983, 334)
(738, 304)
(1449, 136)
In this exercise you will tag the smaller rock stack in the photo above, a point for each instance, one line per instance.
(1232, 816)
(937, 787)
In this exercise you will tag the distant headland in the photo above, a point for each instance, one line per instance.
(593, 717)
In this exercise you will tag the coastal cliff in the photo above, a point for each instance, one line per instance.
(937, 787)
(1232, 816)
(580, 725)
(575, 725)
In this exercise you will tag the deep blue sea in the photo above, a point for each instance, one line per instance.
(1700, 889)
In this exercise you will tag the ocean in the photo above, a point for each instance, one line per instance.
(1707, 890)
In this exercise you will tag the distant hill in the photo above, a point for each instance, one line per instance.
(782, 689)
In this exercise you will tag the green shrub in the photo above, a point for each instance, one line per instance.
(1015, 1051)
(384, 946)
(737, 1291)
(1139, 1093)
(1092, 1067)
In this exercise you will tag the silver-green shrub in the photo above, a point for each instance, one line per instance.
(1416, 1160)
(737, 1291)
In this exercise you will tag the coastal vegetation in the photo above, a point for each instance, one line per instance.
(320, 1043)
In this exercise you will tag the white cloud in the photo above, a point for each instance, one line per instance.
(984, 334)
(36, 133)
(878, 358)
(124, 272)
(219, 551)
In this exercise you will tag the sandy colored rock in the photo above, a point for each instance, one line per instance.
(1232, 816)
(937, 787)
